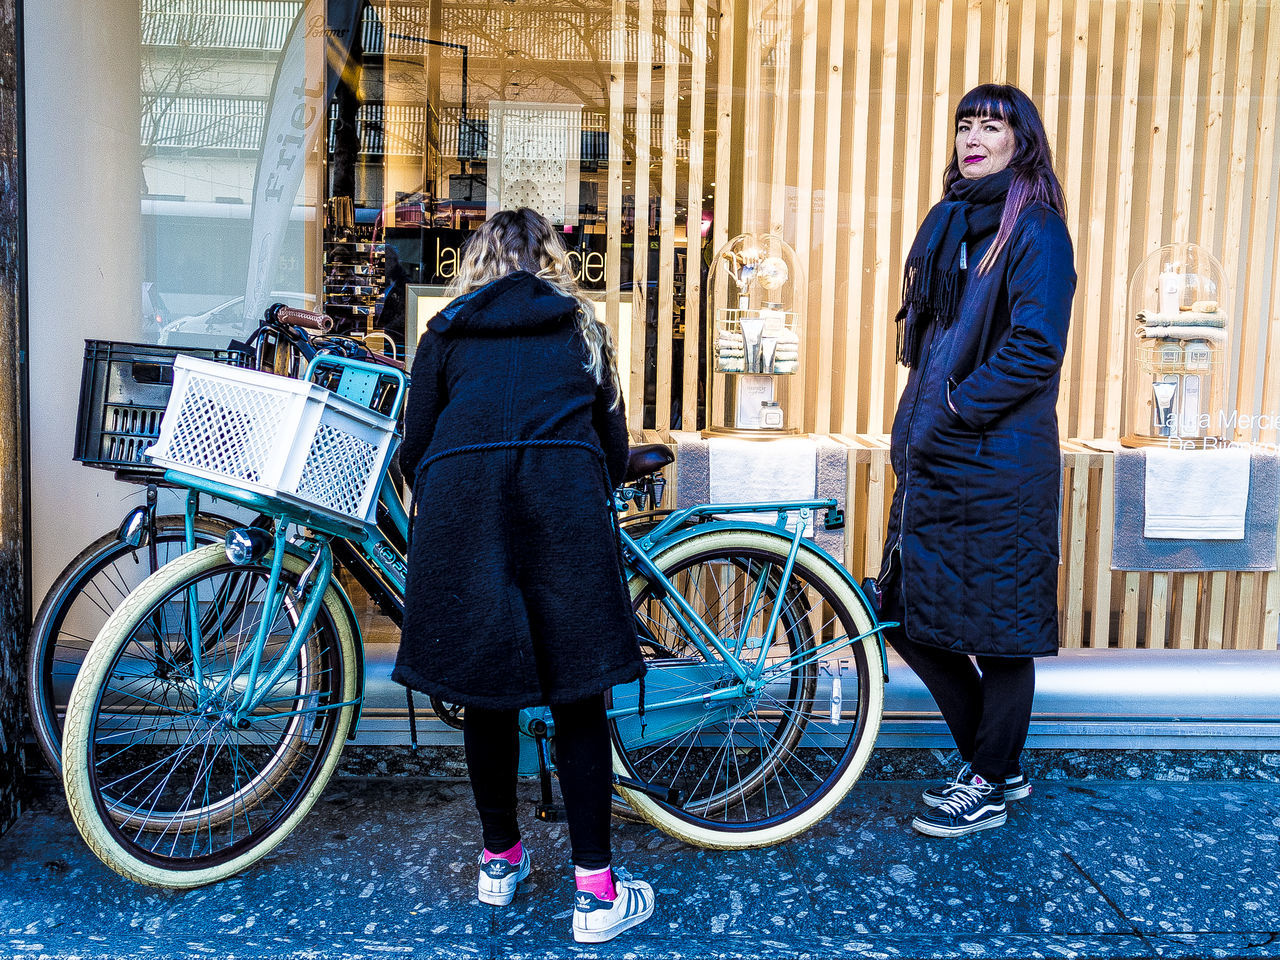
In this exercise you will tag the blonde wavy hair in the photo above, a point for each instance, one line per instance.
(524, 239)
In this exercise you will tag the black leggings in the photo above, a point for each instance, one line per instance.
(582, 761)
(987, 707)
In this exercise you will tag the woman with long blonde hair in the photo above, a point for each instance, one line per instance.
(515, 437)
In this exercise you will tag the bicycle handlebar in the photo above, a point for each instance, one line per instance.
(307, 319)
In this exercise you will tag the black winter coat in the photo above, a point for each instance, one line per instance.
(515, 594)
(974, 521)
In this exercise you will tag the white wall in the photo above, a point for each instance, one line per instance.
(83, 184)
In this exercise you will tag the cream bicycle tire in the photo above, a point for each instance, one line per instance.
(853, 758)
(95, 825)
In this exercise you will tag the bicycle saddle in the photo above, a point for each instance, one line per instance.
(645, 458)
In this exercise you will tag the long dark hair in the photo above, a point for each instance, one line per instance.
(1032, 165)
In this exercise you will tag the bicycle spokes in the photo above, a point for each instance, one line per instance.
(734, 726)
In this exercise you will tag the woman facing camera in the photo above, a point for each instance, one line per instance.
(971, 564)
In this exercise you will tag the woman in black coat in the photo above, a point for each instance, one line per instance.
(515, 436)
(971, 561)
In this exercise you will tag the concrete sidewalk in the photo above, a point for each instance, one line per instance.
(386, 867)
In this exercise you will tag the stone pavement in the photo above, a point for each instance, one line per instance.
(386, 868)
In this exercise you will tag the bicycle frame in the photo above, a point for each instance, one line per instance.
(750, 677)
(668, 708)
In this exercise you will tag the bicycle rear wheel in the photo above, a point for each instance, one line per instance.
(160, 783)
(756, 763)
(78, 604)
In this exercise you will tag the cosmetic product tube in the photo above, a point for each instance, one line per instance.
(752, 324)
(1189, 408)
(1162, 394)
(768, 344)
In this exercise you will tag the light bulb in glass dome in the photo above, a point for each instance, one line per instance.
(773, 273)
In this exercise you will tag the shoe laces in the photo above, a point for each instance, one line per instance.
(965, 795)
(963, 775)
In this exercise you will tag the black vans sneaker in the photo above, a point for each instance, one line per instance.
(970, 807)
(1016, 787)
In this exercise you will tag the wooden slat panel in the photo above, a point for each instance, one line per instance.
(693, 218)
(617, 160)
(1129, 604)
(1052, 46)
(853, 416)
(667, 224)
(942, 142)
(1270, 637)
(1000, 42)
(640, 250)
(1216, 601)
(818, 364)
(1189, 594)
(1122, 225)
(1070, 156)
(973, 44)
(830, 379)
(1213, 122)
(1237, 160)
(1186, 155)
(883, 378)
(778, 141)
(1260, 260)
(912, 127)
(1094, 273)
(754, 214)
(1028, 45)
(1158, 617)
(1100, 627)
(1078, 529)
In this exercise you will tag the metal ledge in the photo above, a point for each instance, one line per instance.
(1085, 699)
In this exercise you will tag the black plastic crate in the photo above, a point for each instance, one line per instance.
(123, 391)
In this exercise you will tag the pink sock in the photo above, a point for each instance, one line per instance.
(512, 856)
(597, 882)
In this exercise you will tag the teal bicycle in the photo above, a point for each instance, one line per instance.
(212, 709)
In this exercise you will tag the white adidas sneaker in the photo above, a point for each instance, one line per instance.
(499, 878)
(596, 920)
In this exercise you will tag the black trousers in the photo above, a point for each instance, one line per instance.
(987, 706)
(582, 761)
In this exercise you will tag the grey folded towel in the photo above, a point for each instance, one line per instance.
(1130, 550)
(693, 479)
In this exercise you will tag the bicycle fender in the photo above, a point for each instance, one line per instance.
(784, 541)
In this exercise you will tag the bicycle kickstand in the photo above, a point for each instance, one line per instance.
(547, 809)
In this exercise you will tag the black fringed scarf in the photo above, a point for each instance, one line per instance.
(933, 281)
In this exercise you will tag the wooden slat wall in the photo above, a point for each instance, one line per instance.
(830, 120)
(1159, 133)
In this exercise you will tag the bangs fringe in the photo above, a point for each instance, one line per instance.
(984, 101)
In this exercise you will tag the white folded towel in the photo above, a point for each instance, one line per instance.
(1182, 333)
(749, 471)
(1196, 494)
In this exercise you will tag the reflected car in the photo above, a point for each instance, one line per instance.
(224, 322)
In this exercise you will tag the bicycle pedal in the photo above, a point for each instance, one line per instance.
(550, 812)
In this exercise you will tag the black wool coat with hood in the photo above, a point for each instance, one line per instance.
(515, 593)
(973, 530)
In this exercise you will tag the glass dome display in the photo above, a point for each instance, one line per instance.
(1175, 377)
(755, 354)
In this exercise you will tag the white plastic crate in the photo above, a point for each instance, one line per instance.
(288, 439)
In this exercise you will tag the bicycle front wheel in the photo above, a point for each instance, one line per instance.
(78, 604)
(757, 761)
(162, 784)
